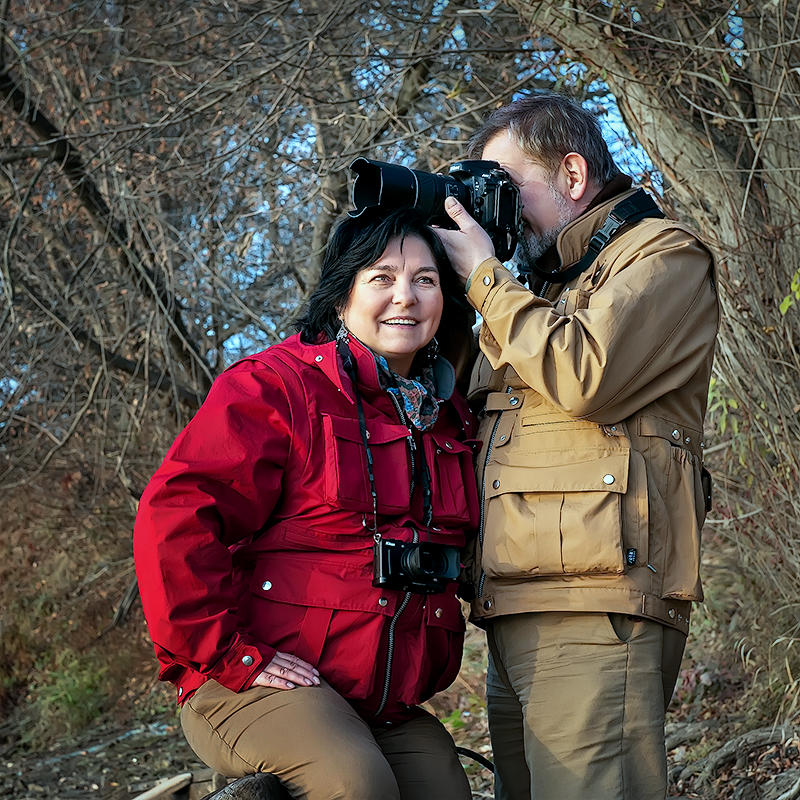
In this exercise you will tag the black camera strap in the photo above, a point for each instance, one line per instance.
(349, 364)
(634, 208)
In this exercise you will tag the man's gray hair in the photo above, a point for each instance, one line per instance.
(547, 126)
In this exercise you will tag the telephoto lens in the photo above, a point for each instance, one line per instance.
(482, 187)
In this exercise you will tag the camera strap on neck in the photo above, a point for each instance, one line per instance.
(349, 364)
(634, 208)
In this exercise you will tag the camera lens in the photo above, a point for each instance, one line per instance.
(419, 561)
(381, 185)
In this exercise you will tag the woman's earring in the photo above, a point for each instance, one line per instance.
(341, 334)
(432, 350)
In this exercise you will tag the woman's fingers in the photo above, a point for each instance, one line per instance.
(286, 671)
(302, 671)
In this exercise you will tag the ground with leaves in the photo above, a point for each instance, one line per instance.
(713, 755)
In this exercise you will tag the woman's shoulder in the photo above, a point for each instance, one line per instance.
(293, 365)
(291, 353)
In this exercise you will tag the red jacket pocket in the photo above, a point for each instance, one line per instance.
(453, 485)
(346, 475)
(326, 613)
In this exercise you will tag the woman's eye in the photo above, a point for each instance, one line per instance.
(380, 278)
(427, 280)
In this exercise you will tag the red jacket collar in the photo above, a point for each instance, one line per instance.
(324, 356)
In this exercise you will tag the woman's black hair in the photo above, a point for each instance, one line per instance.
(357, 243)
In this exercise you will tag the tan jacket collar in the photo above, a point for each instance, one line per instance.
(574, 238)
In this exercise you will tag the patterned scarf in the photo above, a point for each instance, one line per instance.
(416, 394)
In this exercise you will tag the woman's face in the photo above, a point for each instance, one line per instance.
(396, 303)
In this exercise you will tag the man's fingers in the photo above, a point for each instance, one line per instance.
(469, 245)
(458, 213)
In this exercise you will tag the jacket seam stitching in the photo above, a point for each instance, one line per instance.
(666, 341)
(624, 716)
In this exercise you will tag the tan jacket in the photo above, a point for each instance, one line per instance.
(594, 395)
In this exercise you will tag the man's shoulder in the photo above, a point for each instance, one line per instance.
(661, 235)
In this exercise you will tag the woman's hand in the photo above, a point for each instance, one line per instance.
(286, 671)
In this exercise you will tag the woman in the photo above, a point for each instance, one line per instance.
(272, 545)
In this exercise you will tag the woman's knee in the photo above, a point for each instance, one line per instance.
(359, 777)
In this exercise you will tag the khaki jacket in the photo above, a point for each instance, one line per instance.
(589, 470)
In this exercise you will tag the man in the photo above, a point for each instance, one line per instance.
(593, 384)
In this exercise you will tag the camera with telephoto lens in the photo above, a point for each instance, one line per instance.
(482, 187)
(421, 567)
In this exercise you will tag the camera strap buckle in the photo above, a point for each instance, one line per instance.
(634, 208)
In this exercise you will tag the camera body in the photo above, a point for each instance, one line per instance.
(421, 567)
(482, 187)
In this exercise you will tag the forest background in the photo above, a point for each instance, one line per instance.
(169, 173)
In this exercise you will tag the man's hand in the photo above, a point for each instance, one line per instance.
(286, 671)
(469, 245)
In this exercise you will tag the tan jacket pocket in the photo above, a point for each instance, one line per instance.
(676, 506)
(555, 513)
(686, 513)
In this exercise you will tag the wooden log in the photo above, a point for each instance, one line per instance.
(167, 787)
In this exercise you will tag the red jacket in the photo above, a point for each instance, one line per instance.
(250, 537)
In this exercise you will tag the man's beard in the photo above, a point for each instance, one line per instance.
(531, 247)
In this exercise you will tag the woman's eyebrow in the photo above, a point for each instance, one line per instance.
(391, 267)
(395, 268)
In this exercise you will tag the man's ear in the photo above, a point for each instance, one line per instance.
(575, 172)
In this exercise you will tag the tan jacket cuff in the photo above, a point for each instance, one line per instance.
(483, 280)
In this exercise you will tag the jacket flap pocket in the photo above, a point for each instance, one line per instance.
(561, 471)
(449, 445)
(311, 582)
(444, 611)
(346, 472)
(503, 401)
(674, 433)
(377, 432)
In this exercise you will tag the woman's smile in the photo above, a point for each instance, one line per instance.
(395, 305)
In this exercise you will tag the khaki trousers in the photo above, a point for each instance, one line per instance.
(576, 705)
(320, 749)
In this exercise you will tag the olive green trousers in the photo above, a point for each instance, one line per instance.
(576, 705)
(318, 746)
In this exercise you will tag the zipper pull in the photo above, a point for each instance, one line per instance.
(411, 441)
